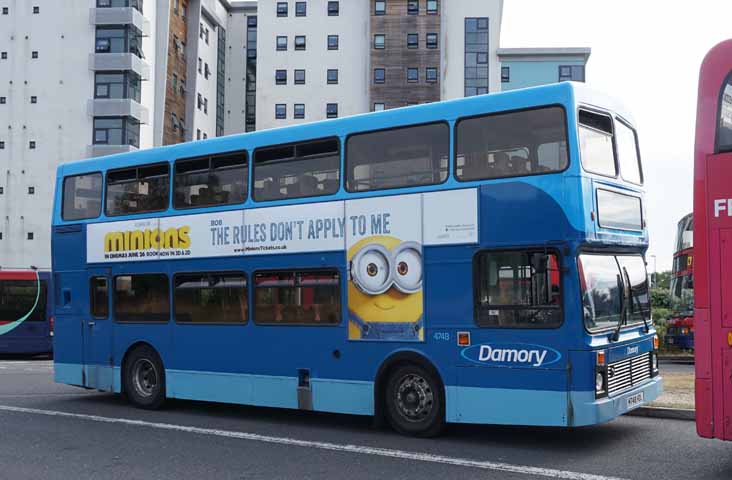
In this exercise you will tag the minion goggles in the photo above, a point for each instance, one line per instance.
(374, 269)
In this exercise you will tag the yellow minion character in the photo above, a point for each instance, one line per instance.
(385, 290)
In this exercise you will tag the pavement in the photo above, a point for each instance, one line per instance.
(54, 431)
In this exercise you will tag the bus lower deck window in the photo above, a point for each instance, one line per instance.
(211, 298)
(141, 298)
(518, 289)
(297, 297)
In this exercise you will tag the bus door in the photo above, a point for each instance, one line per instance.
(97, 331)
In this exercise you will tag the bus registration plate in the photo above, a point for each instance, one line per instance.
(635, 400)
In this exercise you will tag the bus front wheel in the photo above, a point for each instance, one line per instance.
(415, 401)
(144, 378)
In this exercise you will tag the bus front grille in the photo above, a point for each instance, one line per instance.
(628, 373)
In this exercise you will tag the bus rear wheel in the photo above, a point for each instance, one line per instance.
(144, 378)
(415, 402)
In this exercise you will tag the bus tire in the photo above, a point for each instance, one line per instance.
(144, 378)
(415, 401)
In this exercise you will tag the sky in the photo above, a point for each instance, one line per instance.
(647, 53)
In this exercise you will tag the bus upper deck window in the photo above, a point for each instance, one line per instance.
(398, 157)
(219, 180)
(82, 196)
(138, 190)
(511, 144)
(630, 166)
(306, 169)
(596, 143)
(724, 137)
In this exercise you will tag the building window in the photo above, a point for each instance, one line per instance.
(379, 75)
(378, 107)
(505, 74)
(205, 106)
(36, 10)
(3, 55)
(332, 42)
(380, 7)
(116, 131)
(120, 40)
(206, 71)
(206, 35)
(200, 31)
(3, 100)
(281, 77)
(198, 134)
(5, 10)
(412, 40)
(280, 111)
(379, 41)
(300, 42)
(119, 85)
(31, 190)
(299, 77)
(205, 135)
(2, 147)
(476, 56)
(431, 7)
(575, 73)
(431, 74)
(34, 99)
(281, 43)
(34, 54)
(299, 110)
(199, 101)
(297, 298)
(281, 9)
(30, 236)
(412, 75)
(333, 9)
(200, 65)
(331, 110)
(32, 144)
(431, 40)
(301, 9)
(332, 76)
(413, 7)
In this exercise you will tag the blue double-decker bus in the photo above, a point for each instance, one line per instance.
(478, 260)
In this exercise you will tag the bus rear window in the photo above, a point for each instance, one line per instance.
(18, 299)
(518, 289)
(297, 298)
(82, 196)
(397, 158)
(211, 298)
(512, 144)
(138, 190)
(596, 143)
(619, 211)
(220, 180)
(627, 141)
(141, 298)
(724, 137)
(298, 170)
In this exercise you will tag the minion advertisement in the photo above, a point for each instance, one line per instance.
(384, 253)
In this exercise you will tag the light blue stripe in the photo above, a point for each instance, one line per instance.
(343, 396)
(506, 406)
(68, 373)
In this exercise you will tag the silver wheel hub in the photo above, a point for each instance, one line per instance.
(144, 377)
(414, 398)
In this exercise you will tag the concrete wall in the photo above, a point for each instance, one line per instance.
(236, 52)
(206, 87)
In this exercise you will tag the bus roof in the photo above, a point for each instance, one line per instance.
(564, 93)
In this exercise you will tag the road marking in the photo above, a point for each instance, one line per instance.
(360, 449)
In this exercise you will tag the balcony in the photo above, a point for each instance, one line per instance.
(119, 62)
(103, 150)
(120, 16)
(114, 107)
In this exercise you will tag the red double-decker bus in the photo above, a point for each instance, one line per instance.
(680, 327)
(713, 245)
